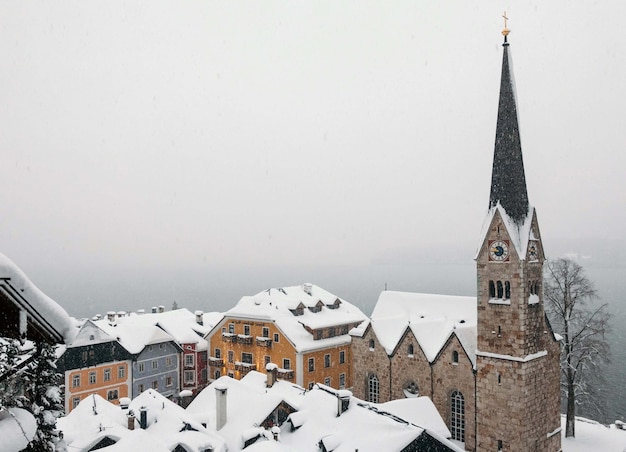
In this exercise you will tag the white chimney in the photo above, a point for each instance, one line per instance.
(161, 308)
(221, 400)
(111, 316)
(141, 311)
(153, 309)
(308, 288)
(199, 315)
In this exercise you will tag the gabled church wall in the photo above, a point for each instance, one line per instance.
(407, 368)
(370, 361)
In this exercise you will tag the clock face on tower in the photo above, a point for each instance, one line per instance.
(498, 250)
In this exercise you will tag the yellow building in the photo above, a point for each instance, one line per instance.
(301, 329)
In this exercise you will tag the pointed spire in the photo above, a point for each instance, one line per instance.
(508, 182)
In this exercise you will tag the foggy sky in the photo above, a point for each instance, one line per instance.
(173, 135)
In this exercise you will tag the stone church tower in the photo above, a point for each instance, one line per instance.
(517, 356)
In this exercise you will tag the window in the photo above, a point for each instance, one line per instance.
(231, 356)
(342, 357)
(218, 353)
(141, 367)
(189, 360)
(85, 355)
(410, 350)
(266, 332)
(318, 334)
(121, 372)
(246, 358)
(92, 378)
(161, 346)
(189, 377)
(76, 381)
(327, 381)
(455, 357)
(231, 375)
(155, 364)
(267, 359)
(311, 384)
(246, 330)
(107, 375)
(276, 337)
(326, 360)
(492, 289)
(373, 388)
(168, 361)
(203, 375)
(169, 381)
(155, 385)
(112, 395)
(231, 328)
(500, 292)
(311, 364)
(218, 374)
(342, 381)
(286, 363)
(75, 402)
(372, 345)
(140, 389)
(507, 289)
(457, 416)
(331, 331)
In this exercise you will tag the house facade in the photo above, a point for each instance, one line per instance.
(490, 363)
(303, 330)
(95, 363)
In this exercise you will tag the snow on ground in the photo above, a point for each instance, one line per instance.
(593, 436)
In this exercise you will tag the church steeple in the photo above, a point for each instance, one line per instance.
(508, 183)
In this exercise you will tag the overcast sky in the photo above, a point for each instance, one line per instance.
(144, 135)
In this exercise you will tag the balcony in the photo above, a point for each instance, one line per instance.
(244, 367)
(215, 362)
(229, 337)
(263, 341)
(244, 339)
(285, 374)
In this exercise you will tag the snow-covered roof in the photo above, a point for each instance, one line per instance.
(40, 307)
(363, 426)
(520, 233)
(277, 304)
(167, 426)
(249, 403)
(17, 429)
(132, 336)
(431, 318)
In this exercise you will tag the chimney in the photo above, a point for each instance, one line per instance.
(199, 315)
(343, 401)
(131, 421)
(111, 316)
(272, 371)
(161, 309)
(220, 404)
(121, 314)
(153, 309)
(141, 311)
(275, 432)
(143, 417)
(124, 402)
(308, 288)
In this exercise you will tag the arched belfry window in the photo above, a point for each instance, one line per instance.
(457, 416)
(373, 388)
(492, 289)
(507, 290)
(500, 292)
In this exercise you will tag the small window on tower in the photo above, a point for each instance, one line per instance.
(507, 290)
(500, 292)
(492, 289)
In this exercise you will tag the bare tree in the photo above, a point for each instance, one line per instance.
(571, 305)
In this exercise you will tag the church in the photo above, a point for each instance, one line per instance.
(489, 363)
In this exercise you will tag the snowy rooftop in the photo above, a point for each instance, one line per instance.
(37, 303)
(431, 318)
(277, 304)
(132, 336)
(168, 425)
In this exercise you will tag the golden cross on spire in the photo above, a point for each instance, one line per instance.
(505, 31)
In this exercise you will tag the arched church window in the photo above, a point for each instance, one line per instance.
(492, 289)
(372, 344)
(507, 289)
(455, 357)
(410, 350)
(457, 416)
(500, 289)
(373, 388)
